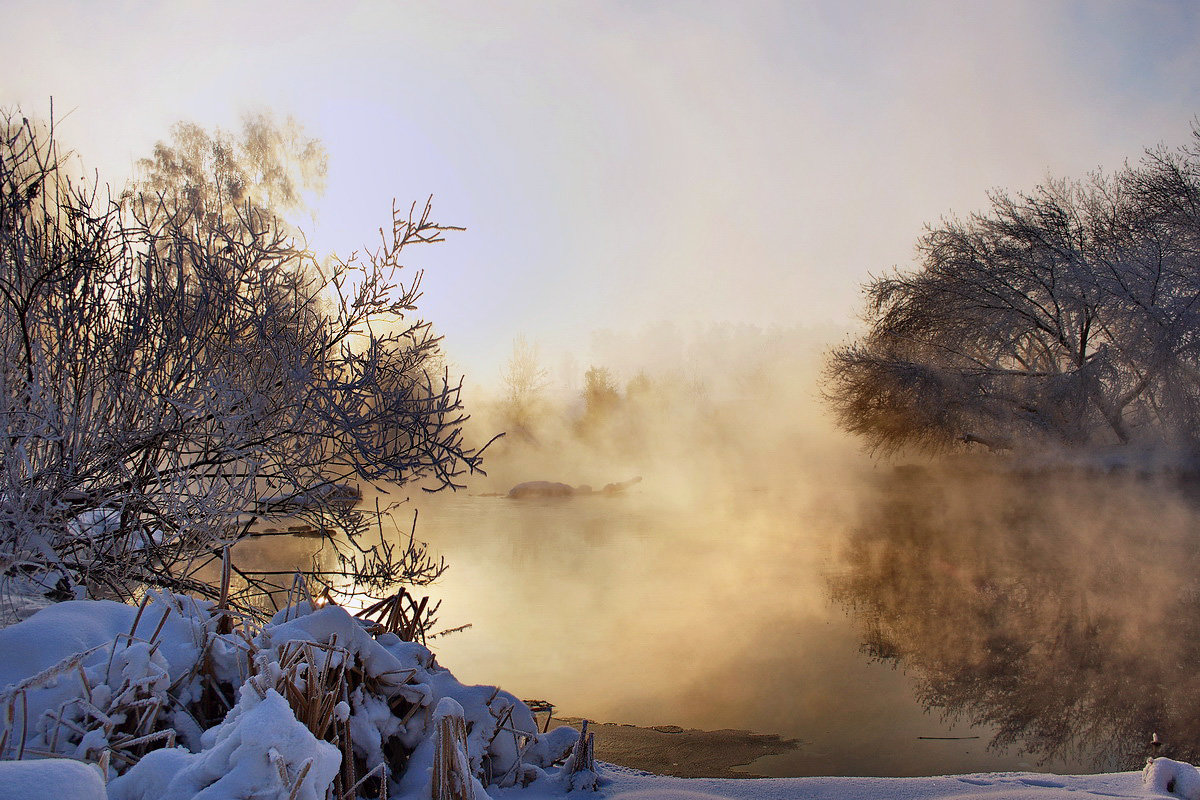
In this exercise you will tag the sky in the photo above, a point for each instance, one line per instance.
(623, 164)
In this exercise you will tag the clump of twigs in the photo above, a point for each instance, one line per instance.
(402, 614)
(316, 678)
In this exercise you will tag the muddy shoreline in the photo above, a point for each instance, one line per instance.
(682, 752)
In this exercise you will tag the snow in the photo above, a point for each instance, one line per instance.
(62, 630)
(50, 779)
(1175, 777)
(626, 784)
(80, 679)
(260, 751)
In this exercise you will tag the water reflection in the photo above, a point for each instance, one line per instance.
(705, 612)
(264, 567)
(882, 620)
(1058, 609)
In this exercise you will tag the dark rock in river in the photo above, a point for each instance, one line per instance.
(552, 489)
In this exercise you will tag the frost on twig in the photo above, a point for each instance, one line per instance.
(175, 365)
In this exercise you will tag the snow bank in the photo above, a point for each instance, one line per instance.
(1172, 777)
(166, 703)
(169, 703)
(50, 779)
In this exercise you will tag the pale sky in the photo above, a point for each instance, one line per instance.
(619, 164)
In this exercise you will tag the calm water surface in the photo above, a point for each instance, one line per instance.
(874, 622)
(901, 623)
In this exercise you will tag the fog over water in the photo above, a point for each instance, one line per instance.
(1056, 613)
(766, 574)
(920, 617)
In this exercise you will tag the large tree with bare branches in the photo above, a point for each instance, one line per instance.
(173, 362)
(1066, 316)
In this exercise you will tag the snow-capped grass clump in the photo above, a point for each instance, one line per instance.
(1172, 777)
(178, 699)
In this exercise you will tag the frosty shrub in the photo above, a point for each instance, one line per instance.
(175, 361)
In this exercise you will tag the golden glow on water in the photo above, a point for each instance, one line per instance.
(874, 614)
(636, 609)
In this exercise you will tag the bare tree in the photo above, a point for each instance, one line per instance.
(525, 382)
(1066, 316)
(601, 397)
(269, 164)
(175, 363)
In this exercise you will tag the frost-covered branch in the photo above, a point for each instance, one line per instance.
(174, 356)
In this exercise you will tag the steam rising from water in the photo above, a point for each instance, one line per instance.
(765, 575)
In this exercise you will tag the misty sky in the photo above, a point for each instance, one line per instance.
(622, 163)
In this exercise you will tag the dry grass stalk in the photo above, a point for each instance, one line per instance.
(377, 770)
(403, 615)
(347, 775)
(582, 756)
(300, 776)
(225, 623)
(451, 778)
(300, 590)
(292, 785)
(50, 673)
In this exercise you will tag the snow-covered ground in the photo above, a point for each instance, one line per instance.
(625, 784)
(176, 701)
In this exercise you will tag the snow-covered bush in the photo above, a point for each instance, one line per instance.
(310, 701)
(1172, 777)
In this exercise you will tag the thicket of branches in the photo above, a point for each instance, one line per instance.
(173, 362)
(1068, 316)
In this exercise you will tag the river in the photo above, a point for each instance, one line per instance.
(907, 622)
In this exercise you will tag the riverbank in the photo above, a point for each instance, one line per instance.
(401, 702)
(682, 752)
(620, 783)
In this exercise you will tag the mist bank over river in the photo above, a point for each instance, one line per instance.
(895, 618)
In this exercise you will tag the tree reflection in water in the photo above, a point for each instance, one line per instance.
(1062, 608)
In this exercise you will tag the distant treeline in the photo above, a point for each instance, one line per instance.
(701, 401)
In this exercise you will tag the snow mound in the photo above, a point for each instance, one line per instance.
(178, 700)
(50, 779)
(1172, 777)
(261, 750)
